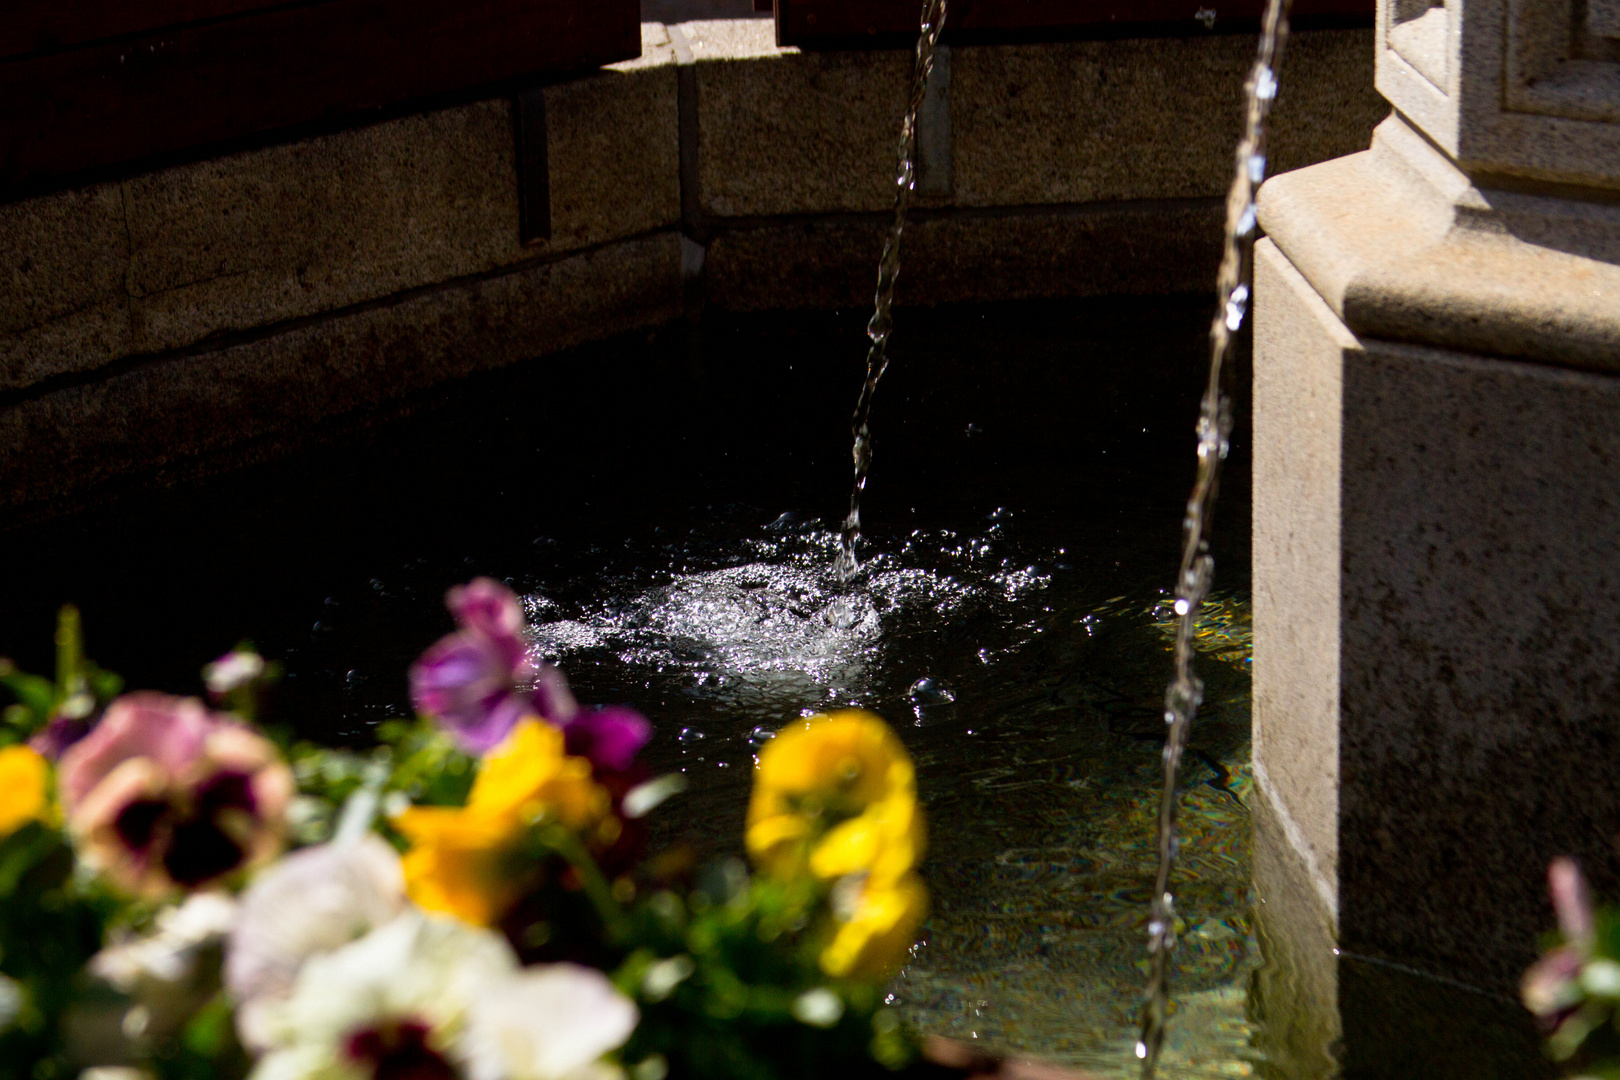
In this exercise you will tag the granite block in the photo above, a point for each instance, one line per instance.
(303, 227)
(785, 132)
(1144, 119)
(62, 301)
(159, 415)
(614, 147)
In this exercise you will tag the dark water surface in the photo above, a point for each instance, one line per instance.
(667, 506)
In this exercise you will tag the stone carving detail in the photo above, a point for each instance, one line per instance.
(1563, 59)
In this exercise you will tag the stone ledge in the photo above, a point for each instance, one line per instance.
(159, 415)
(306, 227)
(1404, 247)
(785, 132)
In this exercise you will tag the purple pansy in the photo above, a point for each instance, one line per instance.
(610, 737)
(53, 740)
(474, 681)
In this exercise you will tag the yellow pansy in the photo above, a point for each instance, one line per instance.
(468, 861)
(877, 925)
(530, 775)
(460, 862)
(24, 788)
(836, 795)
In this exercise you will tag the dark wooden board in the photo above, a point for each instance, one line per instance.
(35, 26)
(130, 98)
(883, 23)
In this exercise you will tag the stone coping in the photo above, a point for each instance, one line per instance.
(1404, 247)
(715, 169)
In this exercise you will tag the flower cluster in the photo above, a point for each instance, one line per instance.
(469, 900)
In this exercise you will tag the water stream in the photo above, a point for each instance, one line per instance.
(1186, 690)
(882, 324)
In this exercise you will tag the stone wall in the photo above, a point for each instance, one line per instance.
(173, 320)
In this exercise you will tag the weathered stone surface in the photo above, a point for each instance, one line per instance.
(785, 132)
(304, 227)
(1403, 246)
(1481, 652)
(1143, 119)
(614, 148)
(63, 443)
(1131, 248)
(62, 299)
(1298, 405)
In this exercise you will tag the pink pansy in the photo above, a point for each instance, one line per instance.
(163, 794)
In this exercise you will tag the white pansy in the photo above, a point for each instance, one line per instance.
(552, 1022)
(416, 969)
(168, 954)
(232, 671)
(313, 901)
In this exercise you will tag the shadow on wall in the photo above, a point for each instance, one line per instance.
(674, 11)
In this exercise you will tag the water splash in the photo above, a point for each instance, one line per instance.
(882, 324)
(1186, 690)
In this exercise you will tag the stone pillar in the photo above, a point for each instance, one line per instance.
(1437, 518)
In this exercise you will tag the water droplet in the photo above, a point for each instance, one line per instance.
(1246, 223)
(762, 734)
(690, 735)
(929, 691)
(1265, 84)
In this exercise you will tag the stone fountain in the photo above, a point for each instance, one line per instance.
(1437, 524)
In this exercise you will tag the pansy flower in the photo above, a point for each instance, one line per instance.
(836, 797)
(312, 902)
(422, 998)
(469, 861)
(474, 682)
(1575, 987)
(163, 794)
(24, 788)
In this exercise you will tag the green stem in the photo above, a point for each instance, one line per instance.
(566, 844)
(69, 636)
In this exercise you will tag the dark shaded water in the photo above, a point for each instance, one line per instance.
(669, 512)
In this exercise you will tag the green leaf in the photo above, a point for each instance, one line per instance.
(24, 850)
(34, 693)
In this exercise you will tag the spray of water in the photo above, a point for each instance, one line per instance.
(882, 324)
(1186, 690)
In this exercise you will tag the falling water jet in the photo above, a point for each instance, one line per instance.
(1186, 691)
(882, 324)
